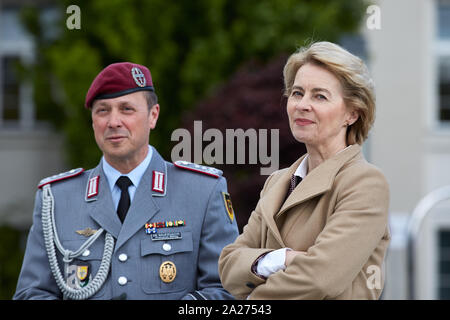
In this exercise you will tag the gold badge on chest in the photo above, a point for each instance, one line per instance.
(167, 271)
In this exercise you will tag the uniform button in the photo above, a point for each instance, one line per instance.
(86, 253)
(122, 281)
(123, 257)
(167, 247)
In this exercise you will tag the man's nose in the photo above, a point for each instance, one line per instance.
(115, 119)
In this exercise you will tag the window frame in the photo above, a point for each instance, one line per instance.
(441, 51)
(23, 48)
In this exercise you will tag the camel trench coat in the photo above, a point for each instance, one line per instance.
(338, 215)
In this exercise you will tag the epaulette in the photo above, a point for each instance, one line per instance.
(60, 176)
(213, 172)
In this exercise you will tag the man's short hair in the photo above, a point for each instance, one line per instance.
(151, 98)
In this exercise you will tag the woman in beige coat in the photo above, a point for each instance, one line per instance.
(320, 228)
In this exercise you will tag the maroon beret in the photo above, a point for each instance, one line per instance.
(119, 79)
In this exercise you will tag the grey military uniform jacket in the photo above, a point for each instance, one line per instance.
(197, 198)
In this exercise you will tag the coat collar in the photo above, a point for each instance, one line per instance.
(316, 182)
(143, 206)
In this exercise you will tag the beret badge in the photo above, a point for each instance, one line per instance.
(138, 77)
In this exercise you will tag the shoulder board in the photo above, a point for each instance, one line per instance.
(213, 172)
(60, 176)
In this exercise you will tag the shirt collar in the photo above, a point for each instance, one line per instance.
(135, 175)
(302, 169)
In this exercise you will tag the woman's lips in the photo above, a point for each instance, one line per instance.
(302, 122)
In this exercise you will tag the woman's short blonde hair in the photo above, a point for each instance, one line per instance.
(358, 89)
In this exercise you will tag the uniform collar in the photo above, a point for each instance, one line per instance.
(135, 175)
(142, 208)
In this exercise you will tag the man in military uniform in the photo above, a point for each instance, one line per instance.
(136, 226)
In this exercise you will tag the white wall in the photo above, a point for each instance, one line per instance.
(396, 58)
(25, 159)
(407, 142)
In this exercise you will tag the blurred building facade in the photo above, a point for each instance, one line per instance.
(410, 63)
(29, 149)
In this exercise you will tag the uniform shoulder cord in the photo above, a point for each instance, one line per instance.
(51, 238)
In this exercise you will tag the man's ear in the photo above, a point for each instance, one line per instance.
(153, 116)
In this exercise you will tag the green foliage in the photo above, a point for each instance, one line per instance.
(11, 255)
(191, 47)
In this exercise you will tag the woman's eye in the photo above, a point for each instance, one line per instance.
(296, 93)
(321, 97)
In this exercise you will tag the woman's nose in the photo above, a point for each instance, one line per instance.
(304, 104)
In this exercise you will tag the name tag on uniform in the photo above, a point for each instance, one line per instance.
(166, 236)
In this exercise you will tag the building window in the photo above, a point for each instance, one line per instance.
(16, 48)
(10, 88)
(444, 265)
(443, 60)
(444, 89)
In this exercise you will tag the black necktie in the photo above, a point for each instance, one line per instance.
(123, 183)
(295, 180)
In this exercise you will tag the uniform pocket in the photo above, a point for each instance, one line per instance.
(176, 259)
(88, 262)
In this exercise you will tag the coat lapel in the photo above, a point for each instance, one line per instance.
(143, 206)
(100, 205)
(318, 181)
(274, 197)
